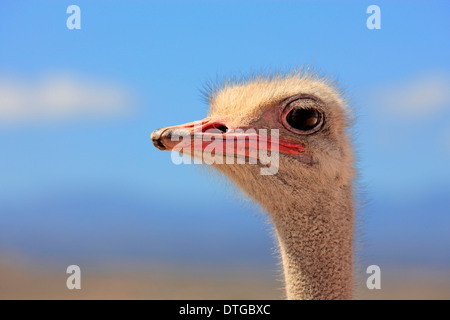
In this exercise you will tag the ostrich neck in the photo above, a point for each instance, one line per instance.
(315, 234)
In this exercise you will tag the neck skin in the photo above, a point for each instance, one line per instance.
(316, 245)
(313, 218)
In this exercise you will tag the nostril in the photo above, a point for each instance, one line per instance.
(221, 127)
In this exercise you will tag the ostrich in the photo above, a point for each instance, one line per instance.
(310, 198)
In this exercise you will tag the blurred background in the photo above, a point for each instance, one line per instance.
(81, 183)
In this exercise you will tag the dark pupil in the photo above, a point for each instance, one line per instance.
(303, 119)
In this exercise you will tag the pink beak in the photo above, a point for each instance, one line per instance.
(201, 133)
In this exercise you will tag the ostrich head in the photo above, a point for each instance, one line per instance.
(309, 195)
(311, 119)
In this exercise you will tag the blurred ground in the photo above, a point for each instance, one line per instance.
(129, 282)
(20, 281)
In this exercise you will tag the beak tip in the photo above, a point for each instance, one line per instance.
(156, 139)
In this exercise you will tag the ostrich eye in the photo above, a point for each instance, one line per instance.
(303, 115)
(303, 119)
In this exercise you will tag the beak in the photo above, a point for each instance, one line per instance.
(198, 135)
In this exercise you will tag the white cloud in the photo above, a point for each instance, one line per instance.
(419, 96)
(60, 96)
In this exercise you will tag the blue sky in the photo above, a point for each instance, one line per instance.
(88, 174)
